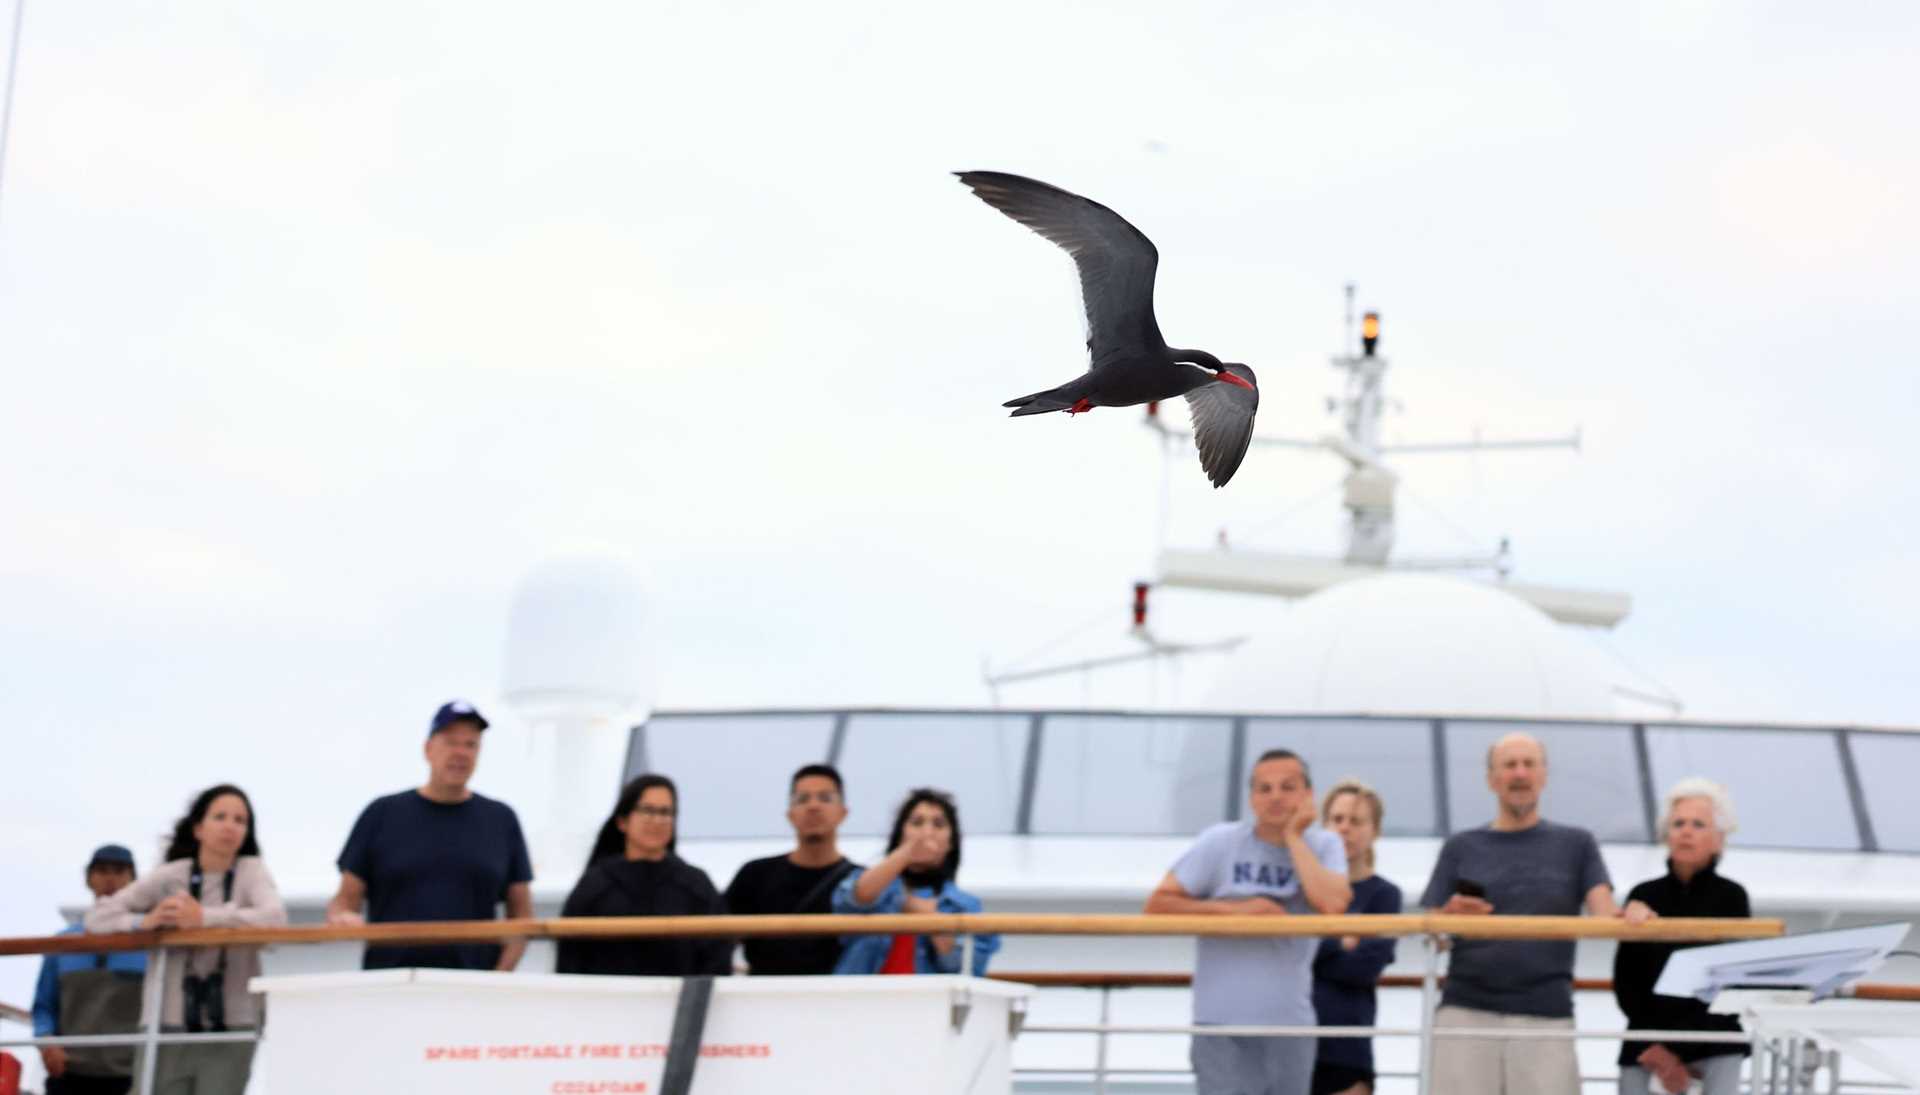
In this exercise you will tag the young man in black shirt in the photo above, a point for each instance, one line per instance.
(800, 881)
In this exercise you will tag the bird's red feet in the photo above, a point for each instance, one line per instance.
(1082, 407)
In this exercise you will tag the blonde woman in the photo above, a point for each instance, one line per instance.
(1695, 826)
(1346, 970)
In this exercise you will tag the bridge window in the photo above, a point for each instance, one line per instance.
(1887, 764)
(1593, 776)
(1787, 785)
(732, 770)
(1395, 756)
(1128, 775)
(977, 757)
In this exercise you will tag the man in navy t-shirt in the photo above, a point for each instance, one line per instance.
(438, 852)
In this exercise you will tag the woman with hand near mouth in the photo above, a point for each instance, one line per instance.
(917, 877)
(1698, 820)
(213, 878)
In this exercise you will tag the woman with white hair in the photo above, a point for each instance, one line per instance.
(1695, 827)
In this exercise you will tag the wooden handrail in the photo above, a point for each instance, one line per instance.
(1107, 979)
(1901, 993)
(1160, 979)
(1674, 929)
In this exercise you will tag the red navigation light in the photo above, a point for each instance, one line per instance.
(1153, 409)
(1139, 604)
(1369, 332)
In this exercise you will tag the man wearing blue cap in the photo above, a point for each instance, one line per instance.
(437, 852)
(91, 994)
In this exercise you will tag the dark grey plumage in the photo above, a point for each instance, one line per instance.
(1130, 362)
(1223, 423)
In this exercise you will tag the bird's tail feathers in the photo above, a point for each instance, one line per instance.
(1053, 399)
(1039, 403)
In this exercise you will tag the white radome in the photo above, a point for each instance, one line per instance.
(1415, 642)
(580, 670)
(579, 648)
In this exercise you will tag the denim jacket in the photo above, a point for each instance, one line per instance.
(867, 953)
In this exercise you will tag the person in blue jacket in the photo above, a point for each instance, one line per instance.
(1347, 969)
(91, 994)
(916, 877)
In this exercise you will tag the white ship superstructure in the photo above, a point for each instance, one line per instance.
(1394, 669)
(1389, 669)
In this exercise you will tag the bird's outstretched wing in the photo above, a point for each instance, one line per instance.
(1223, 423)
(1116, 261)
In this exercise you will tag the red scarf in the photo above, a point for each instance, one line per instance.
(900, 955)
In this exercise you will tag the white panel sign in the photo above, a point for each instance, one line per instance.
(447, 1032)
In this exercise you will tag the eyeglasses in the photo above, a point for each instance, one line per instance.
(664, 813)
(824, 798)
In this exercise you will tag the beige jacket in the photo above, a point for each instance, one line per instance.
(254, 903)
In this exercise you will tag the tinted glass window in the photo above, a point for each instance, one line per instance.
(1593, 777)
(1887, 764)
(975, 757)
(1131, 775)
(1395, 756)
(1787, 787)
(732, 770)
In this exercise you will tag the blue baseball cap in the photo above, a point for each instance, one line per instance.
(111, 855)
(455, 711)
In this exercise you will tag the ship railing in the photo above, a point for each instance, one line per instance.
(1100, 1074)
(1772, 1060)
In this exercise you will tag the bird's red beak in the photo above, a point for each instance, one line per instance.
(1233, 378)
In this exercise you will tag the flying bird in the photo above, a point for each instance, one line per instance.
(1131, 363)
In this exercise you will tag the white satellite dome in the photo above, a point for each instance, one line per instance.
(1415, 642)
(578, 646)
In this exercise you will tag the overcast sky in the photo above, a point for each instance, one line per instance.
(321, 324)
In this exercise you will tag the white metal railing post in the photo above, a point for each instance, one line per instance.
(1100, 1041)
(1429, 1003)
(154, 997)
(966, 954)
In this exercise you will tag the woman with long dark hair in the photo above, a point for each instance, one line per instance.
(633, 871)
(918, 878)
(213, 877)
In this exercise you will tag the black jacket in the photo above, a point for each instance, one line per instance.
(1637, 966)
(615, 886)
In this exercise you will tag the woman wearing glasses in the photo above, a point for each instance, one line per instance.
(633, 871)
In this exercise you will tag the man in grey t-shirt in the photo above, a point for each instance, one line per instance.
(1276, 864)
(1526, 866)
